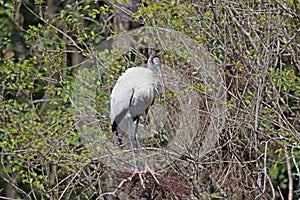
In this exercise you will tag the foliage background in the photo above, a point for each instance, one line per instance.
(254, 43)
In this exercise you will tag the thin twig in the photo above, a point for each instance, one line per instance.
(289, 172)
(114, 193)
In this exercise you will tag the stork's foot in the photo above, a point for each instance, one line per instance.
(152, 172)
(137, 172)
(142, 174)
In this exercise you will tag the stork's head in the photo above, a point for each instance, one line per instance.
(154, 65)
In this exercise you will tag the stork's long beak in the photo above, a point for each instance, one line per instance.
(162, 83)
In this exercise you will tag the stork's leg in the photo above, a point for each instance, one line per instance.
(147, 168)
(137, 140)
(136, 170)
(131, 144)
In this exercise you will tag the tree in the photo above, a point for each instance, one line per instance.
(44, 45)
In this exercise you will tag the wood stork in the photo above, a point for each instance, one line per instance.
(131, 97)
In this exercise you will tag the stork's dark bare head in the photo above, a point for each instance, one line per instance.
(154, 63)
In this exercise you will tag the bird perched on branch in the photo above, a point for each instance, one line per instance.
(131, 97)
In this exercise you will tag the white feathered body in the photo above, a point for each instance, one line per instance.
(132, 95)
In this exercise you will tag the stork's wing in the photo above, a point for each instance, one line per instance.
(120, 100)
